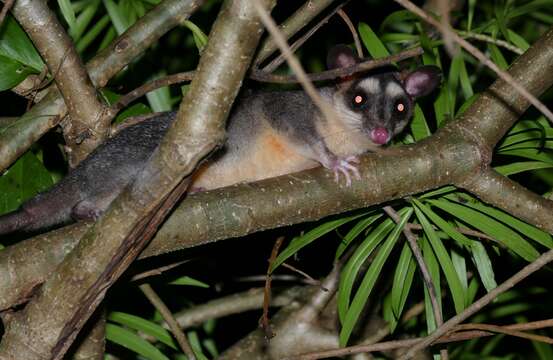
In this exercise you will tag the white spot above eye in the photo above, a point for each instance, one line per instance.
(400, 107)
(370, 85)
(394, 89)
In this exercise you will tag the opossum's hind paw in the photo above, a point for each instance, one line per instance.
(86, 210)
(346, 168)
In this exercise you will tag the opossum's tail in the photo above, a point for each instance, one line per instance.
(14, 221)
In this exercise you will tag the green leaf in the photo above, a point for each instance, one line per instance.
(354, 232)
(118, 18)
(480, 257)
(12, 73)
(453, 281)
(200, 38)
(528, 230)
(356, 261)
(83, 20)
(470, 16)
(518, 167)
(497, 57)
(87, 39)
(371, 41)
(532, 154)
(484, 267)
(403, 280)
(419, 126)
(196, 345)
(146, 326)
(491, 227)
(133, 342)
(187, 280)
(434, 270)
(367, 284)
(301, 241)
(23, 180)
(67, 12)
(395, 18)
(518, 40)
(15, 45)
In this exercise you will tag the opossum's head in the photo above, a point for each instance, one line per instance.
(380, 103)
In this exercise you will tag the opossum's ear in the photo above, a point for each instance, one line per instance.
(341, 56)
(422, 81)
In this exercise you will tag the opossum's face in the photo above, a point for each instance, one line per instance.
(379, 104)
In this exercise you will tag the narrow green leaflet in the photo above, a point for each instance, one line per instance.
(118, 18)
(196, 345)
(453, 281)
(160, 99)
(93, 33)
(187, 280)
(354, 232)
(532, 154)
(481, 260)
(434, 270)
(356, 261)
(84, 19)
(528, 230)
(373, 44)
(133, 342)
(301, 241)
(484, 267)
(419, 126)
(518, 40)
(146, 326)
(200, 38)
(497, 57)
(369, 280)
(403, 280)
(397, 17)
(67, 12)
(470, 16)
(466, 85)
(481, 221)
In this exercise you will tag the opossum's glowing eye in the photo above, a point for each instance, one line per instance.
(359, 99)
(400, 107)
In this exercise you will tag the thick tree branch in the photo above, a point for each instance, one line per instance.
(87, 112)
(17, 139)
(49, 323)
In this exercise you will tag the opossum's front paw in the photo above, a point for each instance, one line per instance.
(346, 168)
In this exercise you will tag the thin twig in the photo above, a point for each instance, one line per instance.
(354, 34)
(276, 62)
(261, 75)
(480, 303)
(264, 76)
(412, 241)
(308, 279)
(7, 6)
(264, 322)
(458, 334)
(480, 56)
(503, 330)
(158, 271)
(169, 318)
(328, 112)
(491, 40)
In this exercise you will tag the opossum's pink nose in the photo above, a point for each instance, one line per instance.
(380, 136)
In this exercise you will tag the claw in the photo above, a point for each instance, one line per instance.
(345, 167)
